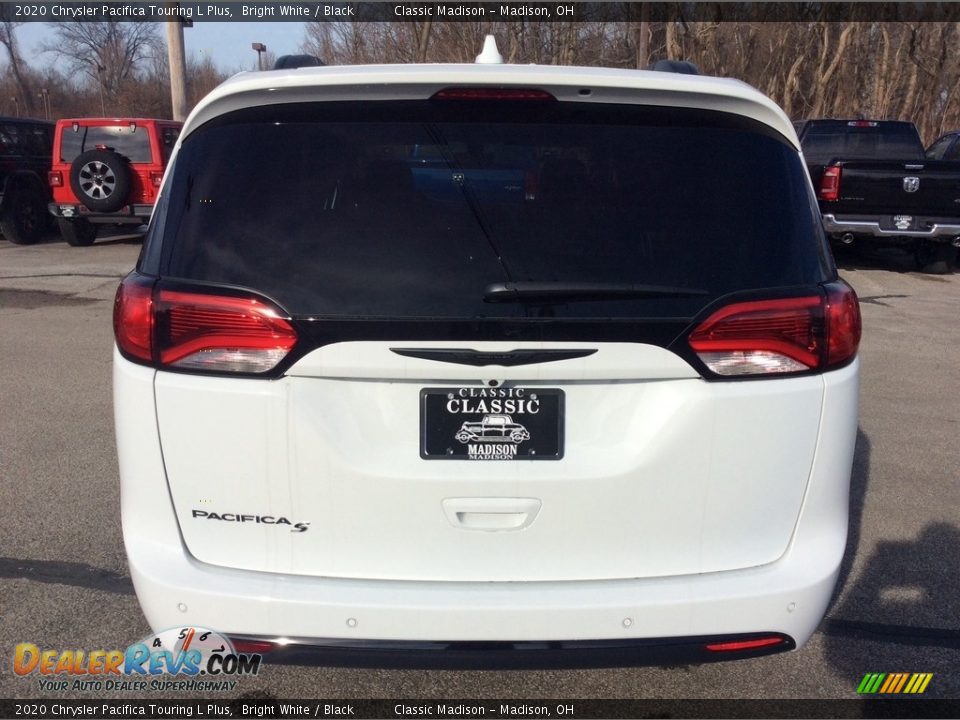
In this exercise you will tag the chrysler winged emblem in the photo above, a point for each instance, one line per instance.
(911, 184)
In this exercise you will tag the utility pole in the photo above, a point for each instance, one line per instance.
(178, 67)
(103, 106)
(643, 37)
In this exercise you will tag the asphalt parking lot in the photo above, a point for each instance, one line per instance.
(63, 575)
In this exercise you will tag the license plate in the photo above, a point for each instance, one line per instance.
(478, 423)
(902, 222)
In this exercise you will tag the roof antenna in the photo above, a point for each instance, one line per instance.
(490, 55)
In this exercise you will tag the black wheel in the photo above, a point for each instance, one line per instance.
(23, 218)
(78, 232)
(934, 257)
(101, 180)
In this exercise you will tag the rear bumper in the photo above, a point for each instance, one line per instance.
(833, 225)
(128, 214)
(520, 655)
(788, 596)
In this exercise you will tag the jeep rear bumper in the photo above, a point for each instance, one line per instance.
(137, 214)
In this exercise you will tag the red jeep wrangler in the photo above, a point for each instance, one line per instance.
(107, 171)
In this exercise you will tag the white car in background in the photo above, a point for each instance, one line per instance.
(310, 324)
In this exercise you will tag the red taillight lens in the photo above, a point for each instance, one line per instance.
(773, 337)
(762, 337)
(156, 178)
(486, 93)
(55, 178)
(196, 331)
(735, 645)
(843, 324)
(210, 332)
(531, 184)
(258, 647)
(133, 318)
(830, 183)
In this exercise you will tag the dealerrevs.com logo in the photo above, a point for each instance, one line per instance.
(180, 659)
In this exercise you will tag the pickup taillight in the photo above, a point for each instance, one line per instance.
(830, 183)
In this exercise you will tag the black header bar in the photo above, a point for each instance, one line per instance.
(448, 709)
(492, 12)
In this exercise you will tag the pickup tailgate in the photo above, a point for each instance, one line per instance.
(879, 187)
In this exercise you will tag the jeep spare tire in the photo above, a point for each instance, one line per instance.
(101, 180)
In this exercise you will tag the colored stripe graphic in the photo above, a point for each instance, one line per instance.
(923, 679)
(894, 683)
(891, 681)
(875, 685)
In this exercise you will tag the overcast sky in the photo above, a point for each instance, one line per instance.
(228, 43)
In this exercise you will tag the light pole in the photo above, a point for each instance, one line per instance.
(103, 107)
(260, 48)
(45, 97)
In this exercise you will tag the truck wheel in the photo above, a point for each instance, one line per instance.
(934, 257)
(22, 220)
(78, 232)
(101, 180)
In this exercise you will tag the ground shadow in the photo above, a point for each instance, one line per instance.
(66, 573)
(892, 259)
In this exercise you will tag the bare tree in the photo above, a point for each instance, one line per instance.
(8, 40)
(109, 53)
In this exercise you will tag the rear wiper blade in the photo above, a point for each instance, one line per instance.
(547, 291)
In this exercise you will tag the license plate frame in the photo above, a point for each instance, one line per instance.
(492, 424)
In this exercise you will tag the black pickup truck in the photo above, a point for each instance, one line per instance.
(25, 157)
(875, 185)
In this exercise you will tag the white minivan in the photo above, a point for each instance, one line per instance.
(355, 274)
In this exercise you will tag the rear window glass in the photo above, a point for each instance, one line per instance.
(415, 209)
(133, 144)
(823, 143)
(24, 139)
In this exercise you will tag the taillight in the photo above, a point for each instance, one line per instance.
(133, 318)
(830, 183)
(531, 183)
(843, 324)
(775, 337)
(156, 178)
(197, 331)
(55, 178)
(210, 332)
